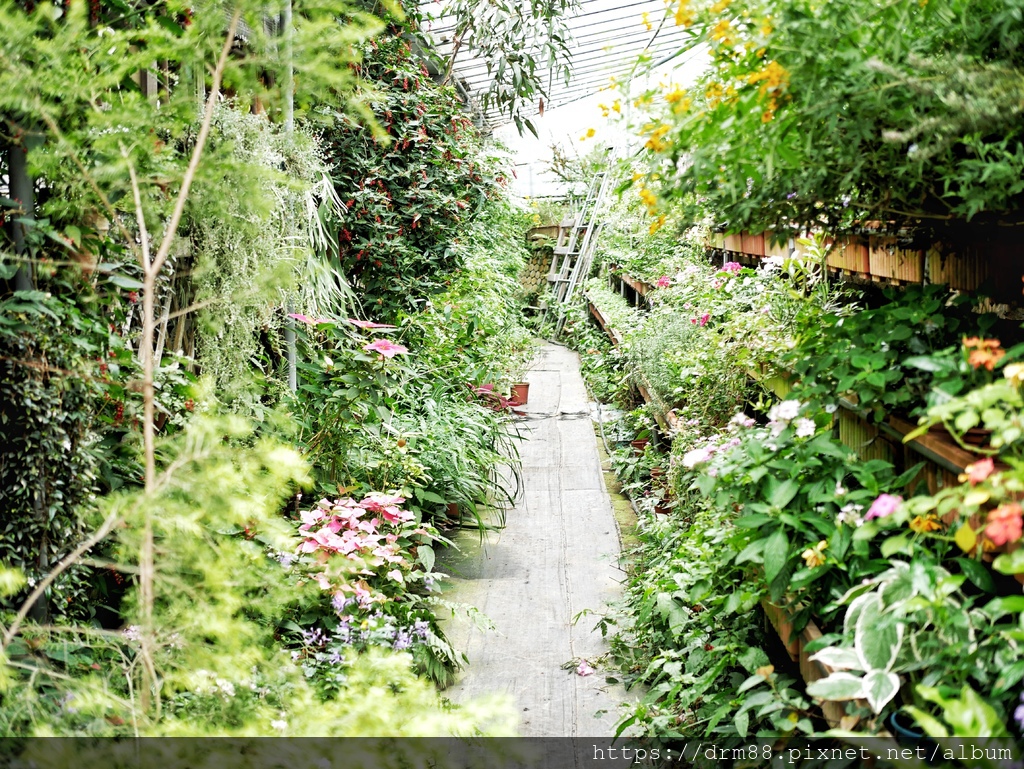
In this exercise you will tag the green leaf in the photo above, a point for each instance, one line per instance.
(753, 658)
(125, 282)
(838, 657)
(742, 723)
(1010, 563)
(776, 553)
(838, 687)
(425, 555)
(879, 688)
(429, 496)
(783, 494)
(877, 637)
(977, 573)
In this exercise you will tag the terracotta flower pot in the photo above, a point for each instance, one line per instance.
(639, 445)
(521, 393)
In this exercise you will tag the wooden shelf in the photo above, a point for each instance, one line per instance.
(667, 419)
(935, 448)
(810, 670)
(614, 335)
(637, 285)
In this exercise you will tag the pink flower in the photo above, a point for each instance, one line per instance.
(664, 281)
(732, 267)
(386, 505)
(716, 283)
(1005, 524)
(584, 669)
(386, 348)
(978, 472)
(308, 320)
(369, 324)
(396, 575)
(883, 506)
(701, 321)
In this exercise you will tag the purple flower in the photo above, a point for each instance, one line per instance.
(314, 637)
(883, 506)
(421, 627)
(402, 641)
(1018, 714)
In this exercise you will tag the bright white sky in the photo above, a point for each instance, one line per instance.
(563, 127)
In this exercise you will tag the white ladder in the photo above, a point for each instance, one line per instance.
(574, 251)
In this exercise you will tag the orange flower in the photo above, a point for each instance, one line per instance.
(924, 523)
(983, 352)
(1005, 524)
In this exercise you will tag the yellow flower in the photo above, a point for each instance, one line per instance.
(684, 16)
(766, 26)
(657, 224)
(604, 110)
(645, 21)
(773, 77)
(655, 143)
(922, 524)
(649, 198)
(723, 32)
(815, 556)
(714, 93)
(637, 176)
(720, 6)
(617, 107)
(677, 95)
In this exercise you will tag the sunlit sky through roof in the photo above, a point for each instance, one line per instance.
(607, 37)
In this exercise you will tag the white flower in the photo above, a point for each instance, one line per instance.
(132, 633)
(695, 457)
(741, 420)
(785, 411)
(804, 428)
(839, 489)
(280, 725)
(226, 687)
(831, 408)
(850, 515)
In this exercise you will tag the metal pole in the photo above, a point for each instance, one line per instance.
(289, 127)
(23, 191)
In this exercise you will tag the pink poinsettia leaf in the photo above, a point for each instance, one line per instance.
(385, 348)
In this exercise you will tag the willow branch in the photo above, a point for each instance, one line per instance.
(197, 151)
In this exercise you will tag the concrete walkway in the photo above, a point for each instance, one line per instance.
(556, 557)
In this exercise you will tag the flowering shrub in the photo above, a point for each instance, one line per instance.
(797, 494)
(928, 124)
(410, 187)
(373, 562)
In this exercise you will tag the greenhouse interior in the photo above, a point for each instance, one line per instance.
(648, 375)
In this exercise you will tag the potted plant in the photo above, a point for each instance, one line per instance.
(520, 393)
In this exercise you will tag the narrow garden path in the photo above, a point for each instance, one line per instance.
(556, 557)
